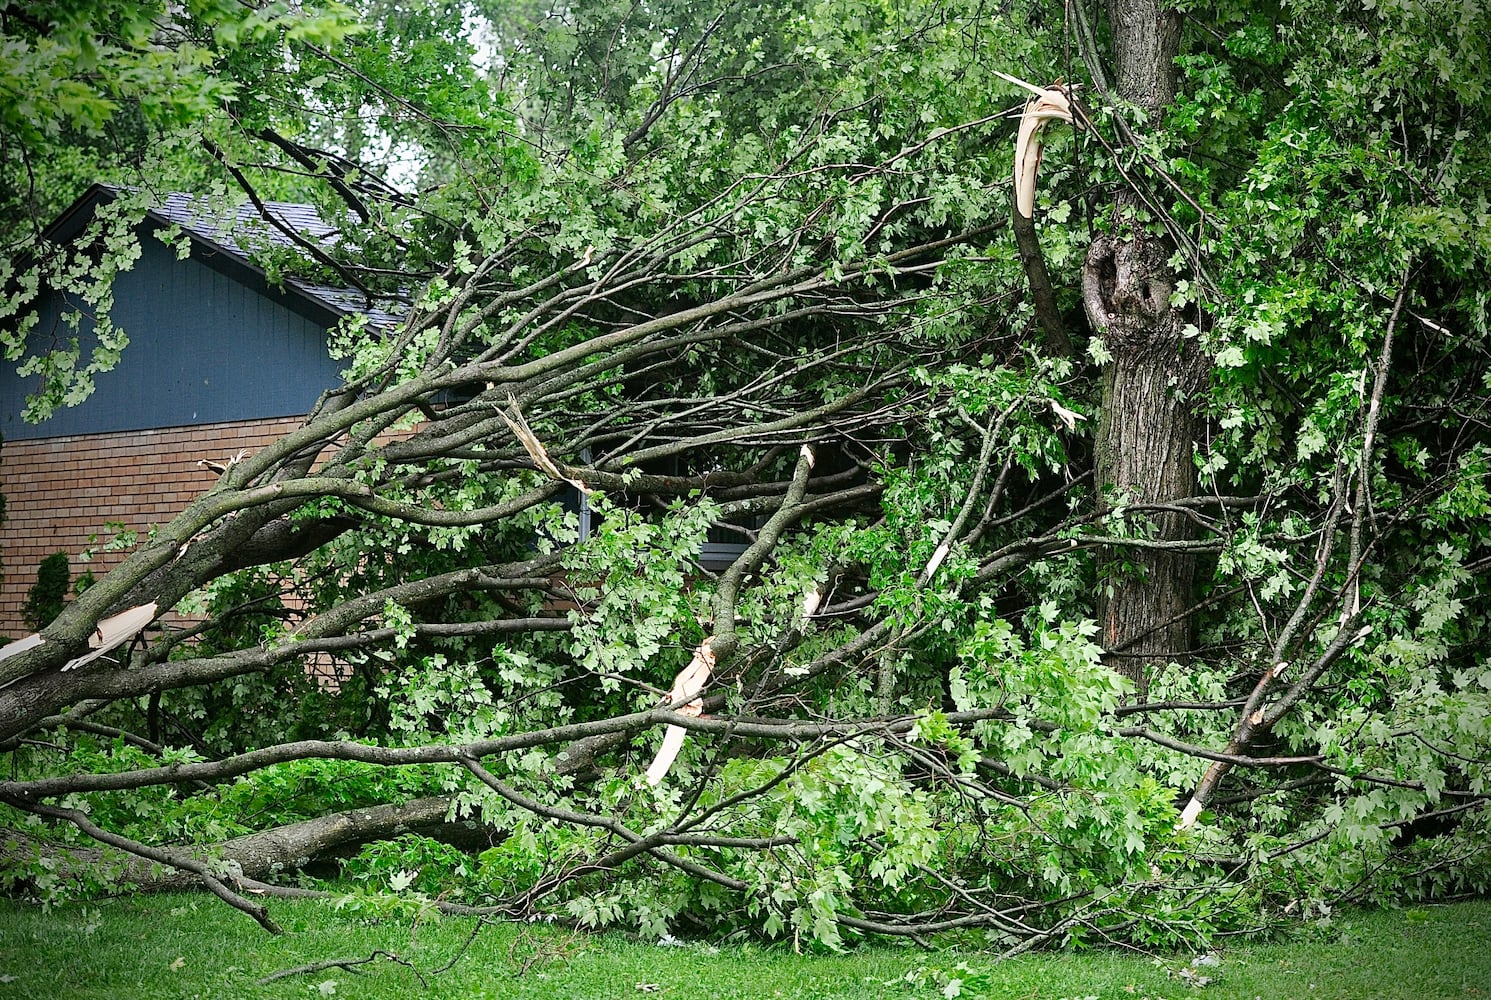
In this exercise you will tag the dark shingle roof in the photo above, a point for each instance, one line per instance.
(243, 230)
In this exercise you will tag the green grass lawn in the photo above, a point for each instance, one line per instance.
(193, 946)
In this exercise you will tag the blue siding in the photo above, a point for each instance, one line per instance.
(207, 344)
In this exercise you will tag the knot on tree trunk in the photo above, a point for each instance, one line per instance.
(1127, 287)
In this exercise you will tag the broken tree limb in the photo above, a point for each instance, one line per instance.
(1257, 720)
(1042, 295)
(174, 859)
(344, 963)
(1255, 717)
(990, 436)
(516, 423)
(1049, 104)
(791, 510)
(263, 854)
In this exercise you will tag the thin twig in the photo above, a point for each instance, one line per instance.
(349, 964)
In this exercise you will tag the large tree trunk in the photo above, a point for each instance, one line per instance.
(1145, 436)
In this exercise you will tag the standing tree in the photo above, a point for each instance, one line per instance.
(48, 594)
(1153, 369)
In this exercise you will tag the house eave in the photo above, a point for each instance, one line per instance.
(228, 261)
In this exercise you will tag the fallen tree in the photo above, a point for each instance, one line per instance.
(1137, 630)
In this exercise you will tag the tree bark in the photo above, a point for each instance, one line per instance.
(1147, 429)
(265, 854)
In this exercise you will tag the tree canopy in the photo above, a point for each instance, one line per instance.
(1115, 573)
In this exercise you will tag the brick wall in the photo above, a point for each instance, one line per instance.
(61, 491)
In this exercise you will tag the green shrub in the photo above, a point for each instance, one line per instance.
(47, 597)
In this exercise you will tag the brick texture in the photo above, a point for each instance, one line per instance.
(62, 493)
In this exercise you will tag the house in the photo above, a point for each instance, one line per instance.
(220, 360)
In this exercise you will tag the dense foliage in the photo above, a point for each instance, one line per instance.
(747, 273)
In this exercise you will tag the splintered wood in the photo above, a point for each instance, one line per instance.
(684, 698)
(1049, 104)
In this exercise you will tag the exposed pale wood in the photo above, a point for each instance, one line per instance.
(1049, 104)
(114, 632)
(684, 699)
(516, 423)
(21, 645)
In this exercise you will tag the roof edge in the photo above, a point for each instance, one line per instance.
(228, 259)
